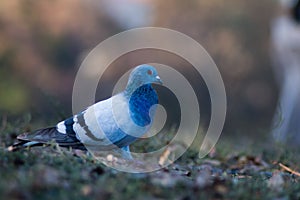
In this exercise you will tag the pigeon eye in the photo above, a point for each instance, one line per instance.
(149, 72)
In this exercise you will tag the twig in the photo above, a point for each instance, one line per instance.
(289, 169)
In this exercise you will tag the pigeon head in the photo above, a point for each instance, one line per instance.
(142, 75)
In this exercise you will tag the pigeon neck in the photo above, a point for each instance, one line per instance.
(132, 87)
(140, 102)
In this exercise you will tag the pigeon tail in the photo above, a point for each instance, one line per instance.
(46, 136)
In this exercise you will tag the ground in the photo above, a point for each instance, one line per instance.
(55, 173)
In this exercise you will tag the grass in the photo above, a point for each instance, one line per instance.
(51, 173)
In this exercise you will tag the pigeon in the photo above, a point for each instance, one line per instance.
(111, 124)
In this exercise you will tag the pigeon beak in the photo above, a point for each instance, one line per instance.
(158, 80)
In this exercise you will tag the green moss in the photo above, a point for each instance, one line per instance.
(46, 173)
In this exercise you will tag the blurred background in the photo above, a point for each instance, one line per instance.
(42, 44)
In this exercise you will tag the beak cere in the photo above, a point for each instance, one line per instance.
(158, 80)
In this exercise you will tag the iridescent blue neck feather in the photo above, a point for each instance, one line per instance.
(140, 103)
